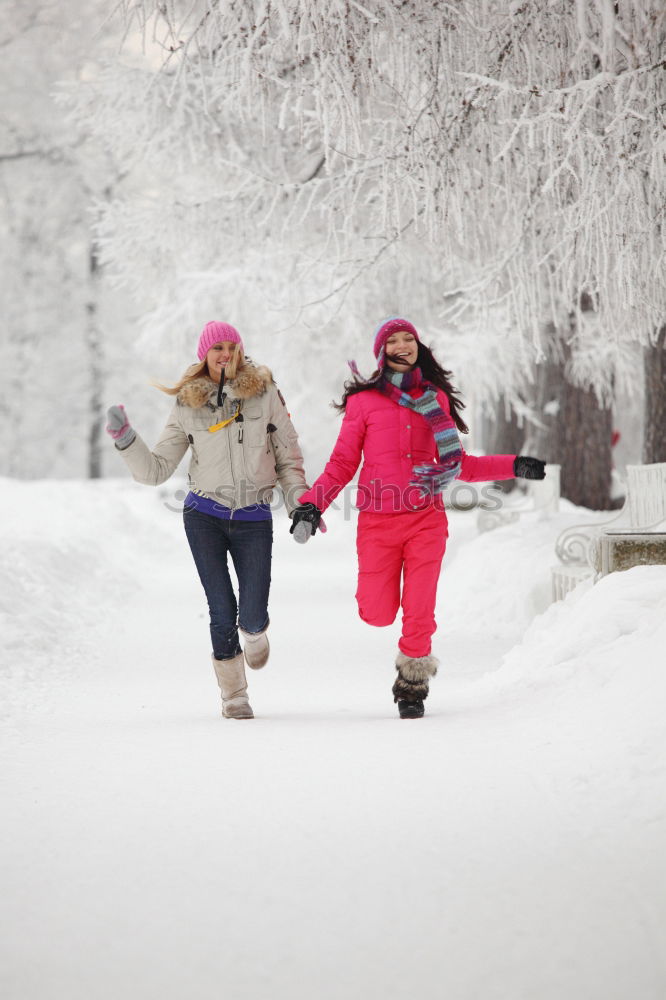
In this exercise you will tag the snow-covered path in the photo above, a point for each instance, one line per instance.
(509, 845)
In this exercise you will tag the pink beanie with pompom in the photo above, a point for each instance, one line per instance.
(216, 333)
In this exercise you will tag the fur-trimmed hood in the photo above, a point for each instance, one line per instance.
(251, 380)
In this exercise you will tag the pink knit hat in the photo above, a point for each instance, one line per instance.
(388, 326)
(215, 333)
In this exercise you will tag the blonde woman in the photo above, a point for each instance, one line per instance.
(231, 415)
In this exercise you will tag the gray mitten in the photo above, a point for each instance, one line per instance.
(119, 427)
(305, 521)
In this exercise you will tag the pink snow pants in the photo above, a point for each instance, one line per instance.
(410, 544)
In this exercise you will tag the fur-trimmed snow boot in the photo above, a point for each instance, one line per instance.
(411, 686)
(231, 679)
(256, 648)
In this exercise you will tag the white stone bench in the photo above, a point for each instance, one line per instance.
(589, 551)
(540, 494)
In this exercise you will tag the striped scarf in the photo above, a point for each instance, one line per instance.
(430, 478)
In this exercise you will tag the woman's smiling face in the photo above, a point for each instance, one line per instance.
(218, 357)
(401, 351)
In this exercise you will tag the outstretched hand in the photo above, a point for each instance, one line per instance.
(119, 427)
(525, 467)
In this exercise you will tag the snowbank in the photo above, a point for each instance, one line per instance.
(615, 622)
(497, 581)
(600, 651)
(69, 564)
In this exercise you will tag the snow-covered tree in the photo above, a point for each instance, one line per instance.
(521, 138)
(55, 300)
(296, 149)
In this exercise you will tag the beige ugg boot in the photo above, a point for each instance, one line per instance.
(231, 678)
(256, 648)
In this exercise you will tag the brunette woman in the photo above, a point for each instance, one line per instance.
(404, 422)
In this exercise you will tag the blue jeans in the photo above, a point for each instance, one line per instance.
(250, 544)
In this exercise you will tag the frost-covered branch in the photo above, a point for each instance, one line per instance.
(522, 145)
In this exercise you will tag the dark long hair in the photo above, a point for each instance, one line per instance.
(432, 372)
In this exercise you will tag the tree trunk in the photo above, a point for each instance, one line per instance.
(586, 432)
(654, 441)
(503, 436)
(573, 431)
(96, 368)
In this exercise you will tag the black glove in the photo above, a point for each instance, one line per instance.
(305, 512)
(525, 467)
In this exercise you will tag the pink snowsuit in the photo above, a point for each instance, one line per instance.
(400, 531)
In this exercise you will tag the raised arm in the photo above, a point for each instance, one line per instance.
(150, 467)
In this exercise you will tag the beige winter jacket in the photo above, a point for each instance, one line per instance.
(239, 464)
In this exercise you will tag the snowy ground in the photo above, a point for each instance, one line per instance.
(510, 845)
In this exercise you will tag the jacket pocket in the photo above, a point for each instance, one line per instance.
(253, 430)
(259, 459)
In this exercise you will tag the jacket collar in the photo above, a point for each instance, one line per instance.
(251, 380)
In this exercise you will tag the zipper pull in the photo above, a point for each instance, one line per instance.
(269, 430)
(239, 420)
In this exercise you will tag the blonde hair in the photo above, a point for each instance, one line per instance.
(200, 370)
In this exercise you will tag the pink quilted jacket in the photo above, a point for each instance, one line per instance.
(391, 439)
